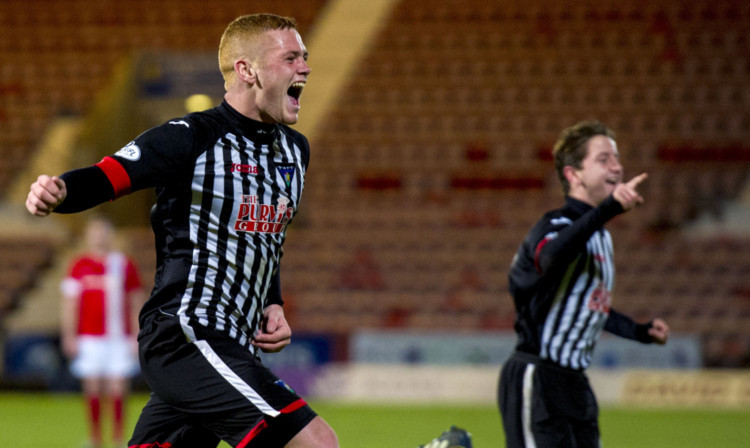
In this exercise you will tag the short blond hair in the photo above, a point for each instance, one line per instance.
(241, 32)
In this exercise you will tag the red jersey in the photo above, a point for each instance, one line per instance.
(103, 287)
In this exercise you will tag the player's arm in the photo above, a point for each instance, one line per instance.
(621, 325)
(45, 195)
(87, 187)
(69, 314)
(274, 290)
(274, 332)
(90, 186)
(79, 189)
(154, 157)
(136, 295)
(563, 243)
(136, 300)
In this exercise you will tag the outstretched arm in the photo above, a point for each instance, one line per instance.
(621, 325)
(659, 331)
(73, 191)
(566, 244)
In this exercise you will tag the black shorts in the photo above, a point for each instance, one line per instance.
(545, 405)
(210, 390)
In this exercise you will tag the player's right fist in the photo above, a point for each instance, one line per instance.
(45, 194)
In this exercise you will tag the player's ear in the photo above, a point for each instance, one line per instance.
(245, 71)
(571, 174)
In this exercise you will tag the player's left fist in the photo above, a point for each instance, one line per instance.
(274, 332)
(659, 331)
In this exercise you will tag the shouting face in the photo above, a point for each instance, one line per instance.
(280, 76)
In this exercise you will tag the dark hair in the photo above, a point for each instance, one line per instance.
(572, 146)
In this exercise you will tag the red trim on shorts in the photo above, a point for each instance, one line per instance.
(253, 433)
(294, 406)
(117, 176)
(263, 424)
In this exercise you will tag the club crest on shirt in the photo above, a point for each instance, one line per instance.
(287, 172)
(280, 383)
(255, 217)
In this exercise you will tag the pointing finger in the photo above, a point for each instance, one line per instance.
(634, 182)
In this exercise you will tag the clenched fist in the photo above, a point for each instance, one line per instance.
(45, 194)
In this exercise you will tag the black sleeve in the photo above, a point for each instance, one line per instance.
(274, 291)
(155, 157)
(561, 250)
(163, 155)
(623, 326)
(86, 187)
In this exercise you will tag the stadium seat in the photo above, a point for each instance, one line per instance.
(434, 160)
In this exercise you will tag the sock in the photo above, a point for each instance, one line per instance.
(95, 418)
(119, 418)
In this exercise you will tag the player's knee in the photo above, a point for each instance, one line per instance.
(325, 435)
(329, 439)
(317, 434)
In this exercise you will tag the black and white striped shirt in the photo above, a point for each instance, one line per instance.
(561, 280)
(227, 187)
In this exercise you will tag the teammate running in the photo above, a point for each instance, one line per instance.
(561, 281)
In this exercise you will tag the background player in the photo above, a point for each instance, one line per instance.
(228, 182)
(102, 296)
(561, 280)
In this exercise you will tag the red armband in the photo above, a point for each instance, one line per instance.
(117, 176)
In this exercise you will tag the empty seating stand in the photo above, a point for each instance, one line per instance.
(437, 158)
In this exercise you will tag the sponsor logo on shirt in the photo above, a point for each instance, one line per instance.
(255, 217)
(600, 299)
(131, 151)
(248, 169)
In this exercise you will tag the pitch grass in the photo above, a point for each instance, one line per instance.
(57, 421)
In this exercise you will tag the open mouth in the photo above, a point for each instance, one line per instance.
(613, 181)
(295, 91)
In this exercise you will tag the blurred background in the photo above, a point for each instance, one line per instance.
(431, 125)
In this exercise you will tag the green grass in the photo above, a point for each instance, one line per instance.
(56, 421)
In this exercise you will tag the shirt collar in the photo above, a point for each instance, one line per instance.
(576, 205)
(254, 129)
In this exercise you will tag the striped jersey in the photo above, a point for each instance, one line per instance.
(561, 280)
(226, 188)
